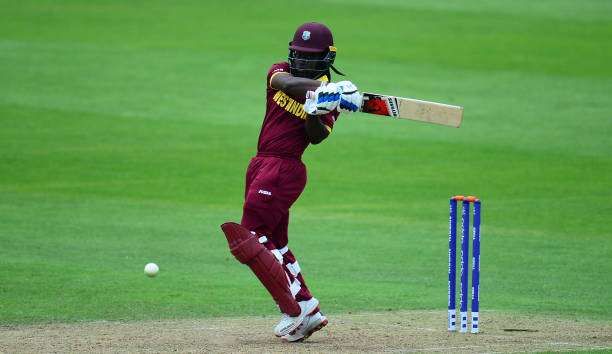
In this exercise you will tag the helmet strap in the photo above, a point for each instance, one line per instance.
(336, 70)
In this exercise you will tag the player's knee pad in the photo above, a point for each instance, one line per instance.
(242, 243)
(246, 248)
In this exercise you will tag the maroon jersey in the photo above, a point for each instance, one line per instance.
(283, 132)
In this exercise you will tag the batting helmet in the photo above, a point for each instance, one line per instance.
(312, 51)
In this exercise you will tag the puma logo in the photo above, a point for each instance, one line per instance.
(261, 191)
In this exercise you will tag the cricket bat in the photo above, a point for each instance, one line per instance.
(409, 108)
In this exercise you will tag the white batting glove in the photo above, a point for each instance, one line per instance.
(323, 100)
(350, 98)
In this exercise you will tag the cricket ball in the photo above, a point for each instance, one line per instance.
(151, 269)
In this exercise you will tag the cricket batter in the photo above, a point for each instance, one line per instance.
(301, 109)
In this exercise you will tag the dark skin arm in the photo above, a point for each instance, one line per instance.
(297, 87)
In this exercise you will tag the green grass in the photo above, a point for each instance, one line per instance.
(126, 128)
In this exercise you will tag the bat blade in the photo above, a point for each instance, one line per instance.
(413, 109)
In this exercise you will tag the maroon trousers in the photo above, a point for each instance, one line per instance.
(273, 184)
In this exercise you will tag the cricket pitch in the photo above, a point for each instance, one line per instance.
(389, 331)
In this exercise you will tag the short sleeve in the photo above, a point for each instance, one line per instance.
(282, 67)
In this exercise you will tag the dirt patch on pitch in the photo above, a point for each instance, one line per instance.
(409, 331)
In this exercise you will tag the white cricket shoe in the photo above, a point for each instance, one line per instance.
(310, 325)
(289, 324)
